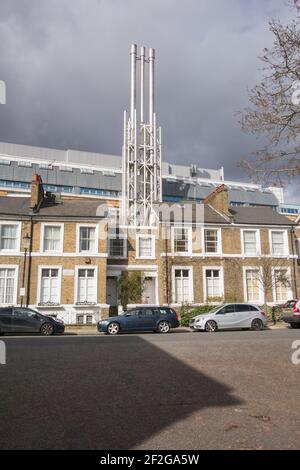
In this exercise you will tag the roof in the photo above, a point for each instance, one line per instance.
(87, 208)
(20, 206)
(259, 216)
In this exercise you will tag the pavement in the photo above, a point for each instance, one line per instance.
(227, 390)
(92, 330)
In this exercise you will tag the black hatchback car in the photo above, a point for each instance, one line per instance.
(159, 319)
(25, 320)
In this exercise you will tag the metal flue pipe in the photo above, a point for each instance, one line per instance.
(151, 84)
(142, 82)
(133, 57)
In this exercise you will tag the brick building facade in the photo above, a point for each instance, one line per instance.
(58, 255)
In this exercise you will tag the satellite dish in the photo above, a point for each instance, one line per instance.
(2, 92)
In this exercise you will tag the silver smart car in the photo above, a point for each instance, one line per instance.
(230, 316)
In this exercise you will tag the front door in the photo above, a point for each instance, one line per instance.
(149, 291)
(112, 291)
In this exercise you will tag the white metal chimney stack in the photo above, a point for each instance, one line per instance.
(141, 147)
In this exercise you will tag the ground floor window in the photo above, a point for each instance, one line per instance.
(182, 286)
(213, 283)
(282, 285)
(49, 286)
(87, 289)
(252, 285)
(84, 319)
(7, 285)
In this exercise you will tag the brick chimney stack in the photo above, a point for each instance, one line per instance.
(218, 199)
(37, 193)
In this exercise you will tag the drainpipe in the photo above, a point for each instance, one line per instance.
(29, 263)
(294, 262)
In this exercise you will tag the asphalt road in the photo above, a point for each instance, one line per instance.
(228, 390)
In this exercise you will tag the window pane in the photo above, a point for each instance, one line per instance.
(8, 237)
(7, 285)
(281, 285)
(116, 247)
(49, 286)
(211, 241)
(213, 287)
(180, 240)
(277, 243)
(182, 286)
(145, 247)
(252, 285)
(51, 238)
(87, 240)
(250, 242)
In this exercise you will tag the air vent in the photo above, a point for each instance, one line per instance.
(108, 173)
(68, 169)
(86, 171)
(25, 164)
(5, 162)
(45, 166)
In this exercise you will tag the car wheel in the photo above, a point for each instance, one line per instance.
(113, 328)
(257, 324)
(211, 326)
(47, 329)
(295, 325)
(163, 327)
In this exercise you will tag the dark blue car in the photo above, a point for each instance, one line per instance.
(159, 319)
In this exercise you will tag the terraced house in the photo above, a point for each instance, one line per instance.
(58, 255)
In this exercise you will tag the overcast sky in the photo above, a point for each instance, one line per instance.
(66, 68)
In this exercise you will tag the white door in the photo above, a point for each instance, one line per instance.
(112, 291)
(149, 291)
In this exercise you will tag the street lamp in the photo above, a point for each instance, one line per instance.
(26, 245)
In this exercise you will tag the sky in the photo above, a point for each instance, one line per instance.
(66, 66)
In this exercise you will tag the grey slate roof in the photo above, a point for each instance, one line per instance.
(19, 206)
(259, 216)
(85, 208)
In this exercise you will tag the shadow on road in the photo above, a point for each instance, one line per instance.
(97, 393)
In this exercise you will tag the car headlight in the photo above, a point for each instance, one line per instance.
(200, 320)
(58, 320)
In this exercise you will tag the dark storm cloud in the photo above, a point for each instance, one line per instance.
(66, 66)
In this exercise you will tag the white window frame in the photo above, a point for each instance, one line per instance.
(258, 242)
(260, 287)
(219, 241)
(289, 289)
(39, 286)
(191, 282)
(18, 247)
(190, 245)
(15, 294)
(76, 278)
(42, 241)
(113, 237)
(85, 315)
(285, 243)
(137, 246)
(221, 277)
(88, 252)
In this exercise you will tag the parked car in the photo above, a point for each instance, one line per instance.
(230, 316)
(26, 320)
(158, 319)
(293, 317)
(287, 307)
